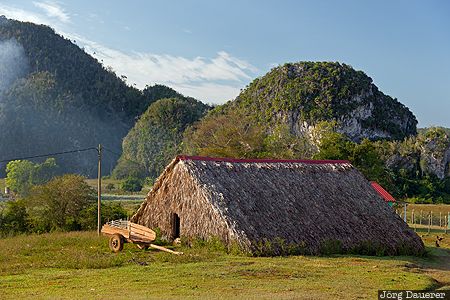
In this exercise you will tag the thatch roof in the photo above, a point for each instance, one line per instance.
(310, 204)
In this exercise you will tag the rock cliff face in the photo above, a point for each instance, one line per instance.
(305, 93)
(435, 153)
(428, 153)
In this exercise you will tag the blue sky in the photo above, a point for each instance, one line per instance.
(212, 49)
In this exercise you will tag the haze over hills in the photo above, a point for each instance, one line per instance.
(55, 97)
(156, 138)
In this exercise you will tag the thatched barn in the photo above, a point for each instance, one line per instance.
(295, 204)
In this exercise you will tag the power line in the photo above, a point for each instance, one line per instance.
(49, 154)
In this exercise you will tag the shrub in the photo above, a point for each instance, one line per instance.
(110, 186)
(278, 247)
(329, 247)
(23, 174)
(132, 184)
(58, 203)
(109, 212)
(149, 181)
(14, 218)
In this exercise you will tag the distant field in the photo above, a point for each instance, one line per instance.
(80, 265)
(109, 186)
(435, 208)
(116, 187)
(131, 206)
(423, 211)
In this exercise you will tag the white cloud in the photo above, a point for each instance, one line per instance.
(53, 10)
(208, 92)
(23, 15)
(212, 80)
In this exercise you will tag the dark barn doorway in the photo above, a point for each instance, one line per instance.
(175, 226)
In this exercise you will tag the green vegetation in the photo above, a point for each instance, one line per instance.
(14, 218)
(56, 265)
(63, 203)
(117, 193)
(131, 184)
(322, 91)
(156, 137)
(236, 135)
(23, 174)
(400, 166)
(59, 203)
(413, 169)
(56, 97)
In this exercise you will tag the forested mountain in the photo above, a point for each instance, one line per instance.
(55, 97)
(156, 137)
(293, 100)
(328, 110)
(303, 94)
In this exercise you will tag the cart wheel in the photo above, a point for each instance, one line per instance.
(116, 243)
(142, 246)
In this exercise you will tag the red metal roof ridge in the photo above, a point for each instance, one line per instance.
(382, 192)
(260, 160)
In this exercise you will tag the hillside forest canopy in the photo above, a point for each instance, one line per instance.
(55, 97)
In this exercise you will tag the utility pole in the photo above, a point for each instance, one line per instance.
(99, 189)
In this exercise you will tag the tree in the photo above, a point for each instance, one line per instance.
(132, 184)
(44, 172)
(156, 137)
(58, 203)
(281, 143)
(230, 135)
(19, 174)
(110, 211)
(23, 174)
(366, 158)
(14, 218)
(334, 145)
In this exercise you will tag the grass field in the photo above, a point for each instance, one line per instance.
(105, 187)
(437, 209)
(422, 212)
(80, 265)
(116, 187)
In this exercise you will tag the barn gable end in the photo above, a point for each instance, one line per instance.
(305, 203)
(177, 193)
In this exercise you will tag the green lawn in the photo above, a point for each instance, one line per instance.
(80, 265)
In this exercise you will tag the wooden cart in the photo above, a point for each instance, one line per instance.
(121, 231)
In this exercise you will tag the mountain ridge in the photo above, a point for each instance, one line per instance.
(64, 99)
(304, 93)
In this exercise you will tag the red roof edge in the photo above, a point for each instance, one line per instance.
(263, 160)
(383, 193)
